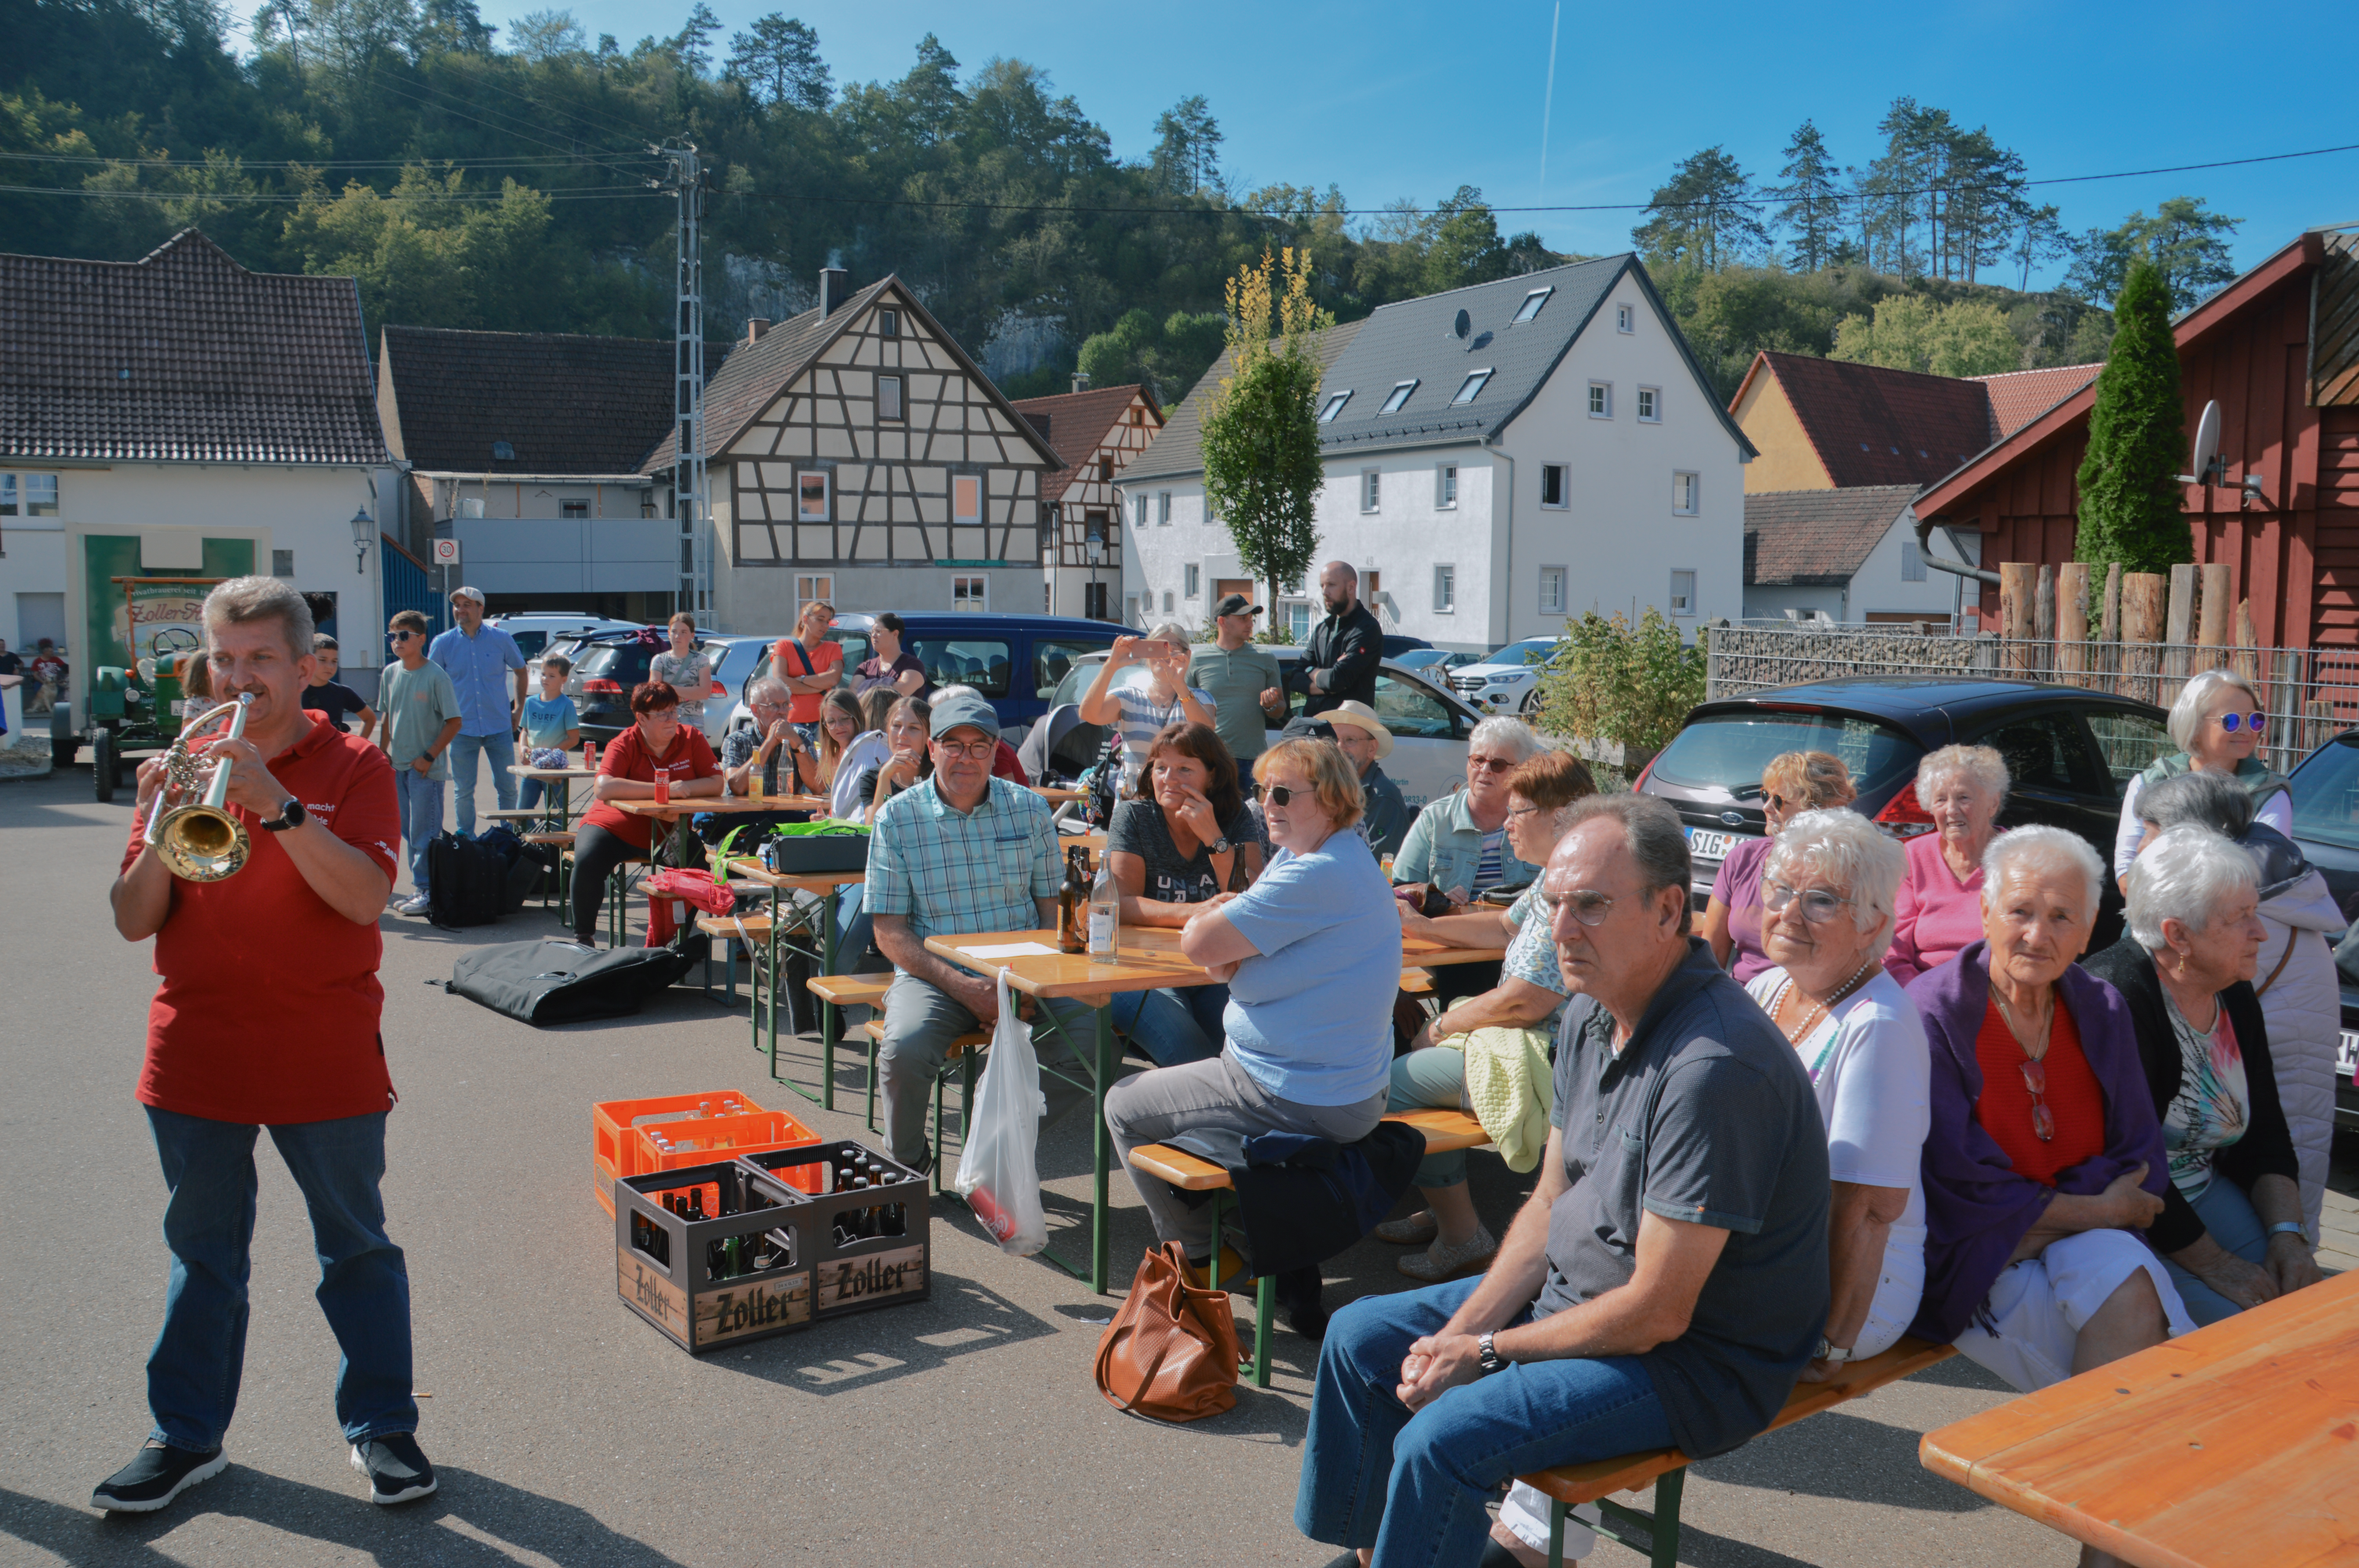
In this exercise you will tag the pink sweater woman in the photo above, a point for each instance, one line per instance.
(1940, 910)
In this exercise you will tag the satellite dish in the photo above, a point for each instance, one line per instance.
(2207, 444)
(1463, 325)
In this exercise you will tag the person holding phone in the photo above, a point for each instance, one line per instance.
(1141, 710)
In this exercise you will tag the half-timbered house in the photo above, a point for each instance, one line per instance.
(857, 454)
(1099, 430)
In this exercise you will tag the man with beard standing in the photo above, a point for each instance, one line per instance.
(1345, 646)
(268, 1016)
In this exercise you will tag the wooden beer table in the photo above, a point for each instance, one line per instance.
(1058, 796)
(679, 808)
(559, 792)
(823, 884)
(2234, 1446)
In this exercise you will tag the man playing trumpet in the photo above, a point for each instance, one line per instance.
(268, 1017)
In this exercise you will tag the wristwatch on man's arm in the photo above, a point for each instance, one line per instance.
(290, 815)
(1492, 1361)
(1827, 1352)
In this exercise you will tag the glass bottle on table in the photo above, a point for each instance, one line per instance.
(1072, 905)
(1105, 914)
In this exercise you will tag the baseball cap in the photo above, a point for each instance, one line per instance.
(474, 593)
(963, 708)
(1235, 604)
(1360, 716)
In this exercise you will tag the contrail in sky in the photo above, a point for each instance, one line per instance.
(1548, 102)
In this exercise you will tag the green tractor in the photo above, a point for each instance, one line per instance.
(138, 708)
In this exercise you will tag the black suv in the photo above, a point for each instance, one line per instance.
(2069, 753)
(607, 665)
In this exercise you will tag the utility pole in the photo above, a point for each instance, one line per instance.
(690, 492)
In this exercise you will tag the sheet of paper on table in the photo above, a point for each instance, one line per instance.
(1009, 950)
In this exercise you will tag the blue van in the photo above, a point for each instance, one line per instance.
(1016, 661)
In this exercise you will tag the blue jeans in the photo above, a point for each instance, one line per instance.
(1434, 1076)
(420, 800)
(500, 752)
(1414, 1487)
(193, 1371)
(528, 793)
(1175, 1025)
(2228, 1215)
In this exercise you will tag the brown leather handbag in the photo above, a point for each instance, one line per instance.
(1172, 1352)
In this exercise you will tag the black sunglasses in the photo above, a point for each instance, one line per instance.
(1280, 795)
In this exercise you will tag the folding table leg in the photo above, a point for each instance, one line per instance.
(1104, 1141)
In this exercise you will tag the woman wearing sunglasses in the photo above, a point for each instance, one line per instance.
(2218, 723)
(1792, 783)
(2045, 1159)
(1828, 897)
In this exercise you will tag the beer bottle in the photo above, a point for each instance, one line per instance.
(770, 772)
(1072, 895)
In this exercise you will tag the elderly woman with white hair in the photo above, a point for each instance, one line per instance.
(1827, 896)
(2216, 723)
(2231, 1229)
(1459, 843)
(1961, 789)
(2300, 991)
(2045, 1159)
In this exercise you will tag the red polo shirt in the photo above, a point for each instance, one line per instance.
(690, 756)
(270, 1005)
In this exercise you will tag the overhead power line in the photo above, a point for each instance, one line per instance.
(595, 193)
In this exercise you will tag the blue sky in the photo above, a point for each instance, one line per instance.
(1392, 100)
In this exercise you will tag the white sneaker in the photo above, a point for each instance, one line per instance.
(416, 904)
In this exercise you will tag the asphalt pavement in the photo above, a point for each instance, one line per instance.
(964, 1430)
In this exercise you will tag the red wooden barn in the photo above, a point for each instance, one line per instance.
(2278, 350)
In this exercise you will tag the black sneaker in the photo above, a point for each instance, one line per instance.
(396, 1466)
(155, 1475)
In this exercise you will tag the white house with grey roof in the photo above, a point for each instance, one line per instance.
(1498, 458)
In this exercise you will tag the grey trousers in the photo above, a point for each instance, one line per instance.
(1155, 1106)
(920, 1021)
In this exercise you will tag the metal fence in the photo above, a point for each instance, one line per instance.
(2309, 694)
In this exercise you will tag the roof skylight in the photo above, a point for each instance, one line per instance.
(1399, 397)
(1532, 303)
(1471, 387)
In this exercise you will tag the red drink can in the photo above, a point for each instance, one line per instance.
(663, 788)
(997, 1220)
(590, 755)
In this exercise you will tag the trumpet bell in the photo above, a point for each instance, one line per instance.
(201, 843)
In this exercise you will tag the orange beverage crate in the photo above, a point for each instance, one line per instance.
(614, 1149)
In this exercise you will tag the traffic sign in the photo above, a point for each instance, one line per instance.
(446, 552)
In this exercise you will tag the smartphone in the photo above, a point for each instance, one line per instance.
(1150, 649)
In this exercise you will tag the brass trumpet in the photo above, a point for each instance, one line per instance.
(200, 841)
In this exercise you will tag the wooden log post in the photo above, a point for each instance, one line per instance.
(2142, 628)
(2215, 608)
(2178, 633)
(2043, 622)
(2111, 630)
(2018, 592)
(2072, 623)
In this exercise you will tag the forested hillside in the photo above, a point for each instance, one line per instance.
(474, 177)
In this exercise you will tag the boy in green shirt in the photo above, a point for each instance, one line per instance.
(422, 718)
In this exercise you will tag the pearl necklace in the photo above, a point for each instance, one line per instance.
(1819, 1009)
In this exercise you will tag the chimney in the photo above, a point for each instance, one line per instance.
(834, 288)
(1081, 381)
(755, 327)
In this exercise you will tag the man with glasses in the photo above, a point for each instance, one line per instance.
(1664, 1285)
(422, 721)
(484, 663)
(1458, 844)
(960, 853)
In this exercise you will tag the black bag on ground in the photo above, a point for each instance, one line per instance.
(554, 981)
(465, 879)
(526, 865)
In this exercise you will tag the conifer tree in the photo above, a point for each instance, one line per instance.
(2130, 508)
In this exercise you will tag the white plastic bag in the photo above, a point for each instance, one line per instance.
(999, 1171)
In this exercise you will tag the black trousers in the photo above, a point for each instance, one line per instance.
(596, 853)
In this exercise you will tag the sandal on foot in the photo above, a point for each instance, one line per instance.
(1438, 1262)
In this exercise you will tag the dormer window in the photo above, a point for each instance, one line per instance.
(1399, 397)
(1333, 407)
(1471, 387)
(1532, 303)
(502, 452)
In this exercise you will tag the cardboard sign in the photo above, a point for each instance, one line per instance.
(753, 1306)
(856, 1281)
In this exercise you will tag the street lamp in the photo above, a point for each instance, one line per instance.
(1097, 549)
(364, 531)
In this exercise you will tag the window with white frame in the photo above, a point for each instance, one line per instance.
(1445, 487)
(1683, 593)
(1601, 400)
(1532, 303)
(1333, 407)
(1552, 590)
(970, 594)
(1297, 620)
(1139, 504)
(1686, 493)
(812, 496)
(573, 509)
(811, 588)
(1555, 486)
(888, 397)
(1912, 563)
(966, 498)
(1167, 601)
(1371, 489)
(1650, 406)
(1471, 387)
(1163, 509)
(1193, 579)
(1445, 591)
(1625, 318)
(888, 323)
(28, 495)
(1399, 397)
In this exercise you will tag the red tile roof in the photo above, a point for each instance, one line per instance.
(1872, 426)
(1074, 423)
(565, 404)
(2019, 397)
(183, 356)
(1816, 537)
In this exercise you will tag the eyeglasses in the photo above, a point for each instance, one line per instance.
(975, 751)
(1521, 810)
(1475, 761)
(2252, 721)
(1819, 905)
(1775, 801)
(2035, 1080)
(1589, 908)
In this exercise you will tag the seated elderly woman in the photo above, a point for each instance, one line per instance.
(1310, 953)
(1490, 1053)
(1941, 910)
(1182, 839)
(1827, 896)
(2300, 991)
(2230, 1230)
(2216, 723)
(2045, 1159)
(1792, 782)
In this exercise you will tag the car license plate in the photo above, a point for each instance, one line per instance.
(1706, 845)
(2346, 1057)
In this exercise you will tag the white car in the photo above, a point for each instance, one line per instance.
(734, 658)
(1507, 681)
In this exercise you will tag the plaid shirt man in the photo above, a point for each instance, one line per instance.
(952, 872)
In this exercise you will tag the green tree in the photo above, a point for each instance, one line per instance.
(1186, 162)
(1466, 246)
(542, 36)
(693, 44)
(1705, 216)
(1911, 332)
(778, 59)
(2130, 510)
(1810, 211)
(1630, 685)
(1262, 467)
(2187, 243)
